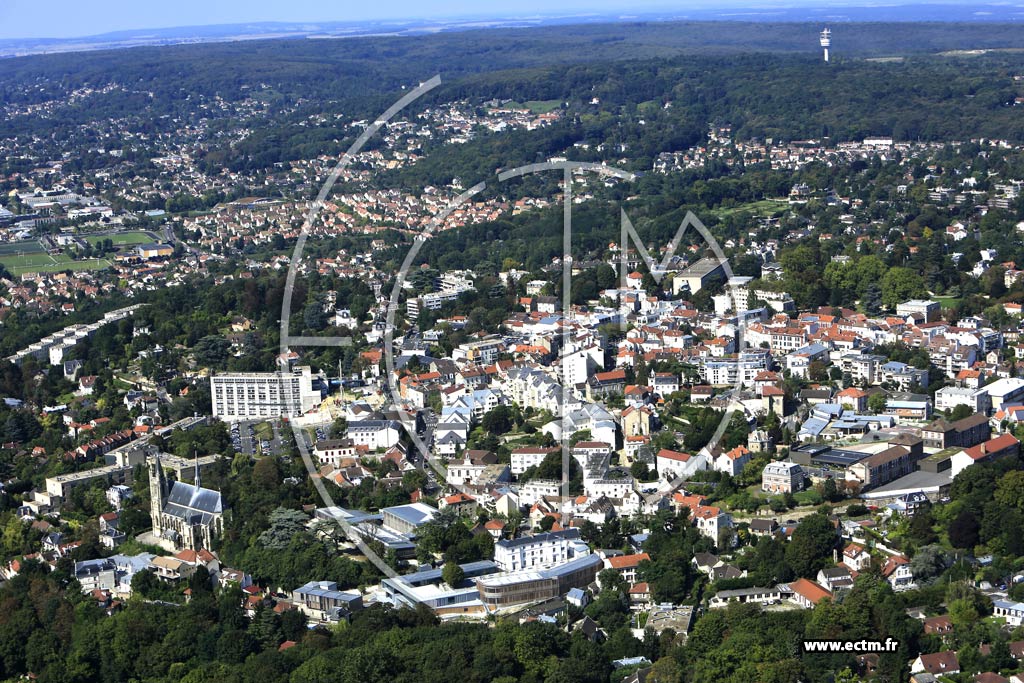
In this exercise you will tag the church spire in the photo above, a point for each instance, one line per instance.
(157, 492)
(195, 452)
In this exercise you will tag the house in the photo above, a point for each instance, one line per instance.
(496, 528)
(1005, 445)
(626, 565)
(332, 451)
(86, 385)
(322, 601)
(856, 557)
(1012, 612)
(673, 464)
(782, 477)
(640, 594)
(732, 462)
(577, 597)
(374, 434)
(853, 398)
(834, 578)
(761, 595)
(763, 527)
(940, 625)
(461, 503)
(937, 663)
(897, 572)
(910, 503)
(706, 562)
(807, 593)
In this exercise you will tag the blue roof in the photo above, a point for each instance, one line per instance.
(413, 513)
(326, 589)
(833, 409)
(427, 575)
(814, 425)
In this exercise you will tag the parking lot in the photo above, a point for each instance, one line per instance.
(257, 437)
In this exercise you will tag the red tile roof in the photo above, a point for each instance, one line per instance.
(809, 590)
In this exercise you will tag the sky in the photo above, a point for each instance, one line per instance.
(76, 18)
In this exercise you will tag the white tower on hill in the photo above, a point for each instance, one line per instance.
(826, 41)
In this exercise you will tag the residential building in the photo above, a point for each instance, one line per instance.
(322, 601)
(539, 551)
(333, 451)
(1005, 445)
(782, 477)
(964, 433)
(807, 593)
(257, 395)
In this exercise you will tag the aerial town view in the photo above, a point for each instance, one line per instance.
(605, 344)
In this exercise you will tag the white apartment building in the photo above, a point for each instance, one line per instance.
(375, 434)
(539, 551)
(258, 395)
(948, 398)
(530, 456)
(731, 370)
(333, 451)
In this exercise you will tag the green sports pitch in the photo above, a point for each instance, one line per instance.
(41, 262)
(120, 239)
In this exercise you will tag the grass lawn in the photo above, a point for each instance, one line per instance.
(947, 301)
(764, 207)
(264, 431)
(122, 238)
(537, 106)
(808, 497)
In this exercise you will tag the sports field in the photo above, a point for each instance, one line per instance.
(30, 257)
(123, 238)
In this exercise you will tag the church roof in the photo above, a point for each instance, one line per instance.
(193, 503)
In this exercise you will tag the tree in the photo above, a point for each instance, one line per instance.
(265, 474)
(960, 412)
(212, 350)
(928, 563)
(498, 420)
(665, 670)
(873, 300)
(314, 317)
(1010, 490)
(284, 524)
(900, 284)
(877, 402)
(812, 544)
(452, 574)
(963, 531)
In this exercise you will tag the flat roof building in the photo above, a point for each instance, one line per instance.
(258, 395)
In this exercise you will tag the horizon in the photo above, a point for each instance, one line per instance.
(69, 21)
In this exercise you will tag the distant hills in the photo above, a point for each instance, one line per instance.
(985, 14)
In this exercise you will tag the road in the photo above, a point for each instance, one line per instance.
(173, 239)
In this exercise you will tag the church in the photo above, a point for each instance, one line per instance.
(187, 515)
